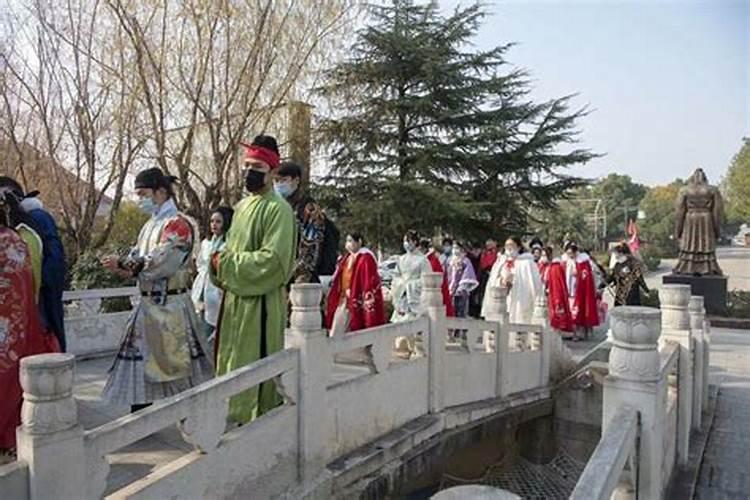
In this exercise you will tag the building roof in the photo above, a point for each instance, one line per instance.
(58, 186)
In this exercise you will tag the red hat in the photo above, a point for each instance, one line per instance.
(263, 148)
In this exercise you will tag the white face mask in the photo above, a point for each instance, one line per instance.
(511, 251)
(350, 246)
(621, 259)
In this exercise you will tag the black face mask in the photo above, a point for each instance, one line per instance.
(254, 180)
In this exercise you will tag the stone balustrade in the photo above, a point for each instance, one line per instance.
(89, 330)
(646, 418)
(322, 418)
(652, 397)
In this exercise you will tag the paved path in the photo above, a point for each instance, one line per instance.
(725, 473)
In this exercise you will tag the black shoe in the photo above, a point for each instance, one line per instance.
(135, 408)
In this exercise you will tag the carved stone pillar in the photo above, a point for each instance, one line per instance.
(50, 439)
(434, 339)
(697, 319)
(307, 335)
(497, 311)
(706, 358)
(542, 340)
(676, 327)
(634, 380)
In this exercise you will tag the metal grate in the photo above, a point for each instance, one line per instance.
(553, 480)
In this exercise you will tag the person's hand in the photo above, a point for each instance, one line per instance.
(110, 262)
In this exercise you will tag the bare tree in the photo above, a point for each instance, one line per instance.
(102, 87)
(213, 73)
(68, 114)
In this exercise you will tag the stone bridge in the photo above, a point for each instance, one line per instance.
(359, 429)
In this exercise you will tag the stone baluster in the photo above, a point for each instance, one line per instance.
(497, 311)
(307, 335)
(434, 339)
(542, 340)
(706, 358)
(50, 439)
(634, 379)
(697, 318)
(675, 326)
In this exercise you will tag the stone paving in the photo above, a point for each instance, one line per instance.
(725, 472)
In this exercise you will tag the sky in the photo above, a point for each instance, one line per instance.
(667, 82)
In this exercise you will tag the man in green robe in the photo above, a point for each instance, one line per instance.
(253, 270)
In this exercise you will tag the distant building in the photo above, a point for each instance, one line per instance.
(59, 187)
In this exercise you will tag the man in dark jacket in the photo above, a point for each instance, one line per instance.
(317, 249)
(53, 260)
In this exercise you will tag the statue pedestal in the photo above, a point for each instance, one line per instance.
(713, 289)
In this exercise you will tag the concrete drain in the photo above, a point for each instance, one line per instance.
(555, 479)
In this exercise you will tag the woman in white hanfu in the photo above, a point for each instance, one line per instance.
(406, 287)
(516, 270)
(406, 290)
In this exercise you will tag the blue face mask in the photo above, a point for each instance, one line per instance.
(147, 205)
(284, 189)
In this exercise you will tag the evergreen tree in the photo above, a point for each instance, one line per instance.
(429, 132)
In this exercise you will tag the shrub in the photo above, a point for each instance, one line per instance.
(88, 273)
(738, 304)
(651, 299)
(650, 259)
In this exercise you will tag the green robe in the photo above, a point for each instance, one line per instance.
(253, 270)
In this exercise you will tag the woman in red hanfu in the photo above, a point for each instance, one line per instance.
(558, 305)
(582, 290)
(355, 300)
(432, 256)
(21, 331)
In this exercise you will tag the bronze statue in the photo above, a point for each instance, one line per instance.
(700, 211)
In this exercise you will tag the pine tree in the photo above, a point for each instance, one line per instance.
(429, 132)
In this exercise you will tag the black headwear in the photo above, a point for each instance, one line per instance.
(290, 169)
(153, 178)
(13, 185)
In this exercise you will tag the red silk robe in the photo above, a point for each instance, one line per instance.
(557, 298)
(585, 312)
(21, 332)
(365, 299)
(438, 268)
(543, 266)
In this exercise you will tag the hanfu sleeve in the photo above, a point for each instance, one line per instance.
(174, 248)
(253, 273)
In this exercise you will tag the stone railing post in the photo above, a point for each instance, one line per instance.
(542, 340)
(633, 379)
(307, 334)
(697, 318)
(50, 439)
(497, 311)
(434, 339)
(675, 326)
(706, 358)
